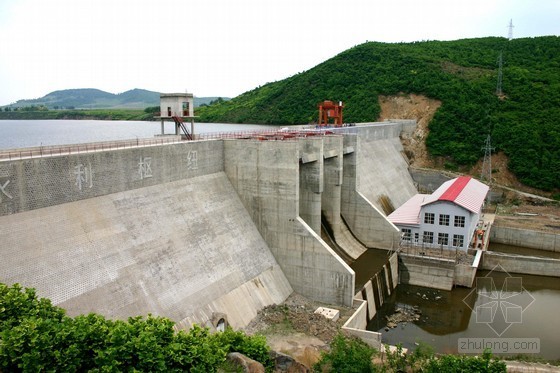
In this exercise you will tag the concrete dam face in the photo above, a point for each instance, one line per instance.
(201, 229)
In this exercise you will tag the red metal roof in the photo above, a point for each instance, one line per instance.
(455, 189)
(463, 191)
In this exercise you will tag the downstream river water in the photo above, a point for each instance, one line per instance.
(30, 133)
(449, 319)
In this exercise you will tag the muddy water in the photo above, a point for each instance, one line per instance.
(448, 315)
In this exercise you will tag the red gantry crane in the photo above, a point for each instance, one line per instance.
(328, 109)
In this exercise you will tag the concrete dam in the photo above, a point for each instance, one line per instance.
(200, 231)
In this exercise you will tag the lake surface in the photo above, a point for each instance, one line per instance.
(30, 133)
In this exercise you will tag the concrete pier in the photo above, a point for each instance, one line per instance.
(266, 176)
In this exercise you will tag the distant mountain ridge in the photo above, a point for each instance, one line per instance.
(91, 98)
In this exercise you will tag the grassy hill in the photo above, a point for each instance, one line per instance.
(463, 74)
(90, 98)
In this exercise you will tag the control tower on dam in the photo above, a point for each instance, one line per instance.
(199, 231)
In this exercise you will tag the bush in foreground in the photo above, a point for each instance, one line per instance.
(37, 336)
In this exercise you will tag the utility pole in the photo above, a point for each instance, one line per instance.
(510, 30)
(486, 173)
(499, 92)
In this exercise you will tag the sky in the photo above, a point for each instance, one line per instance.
(224, 47)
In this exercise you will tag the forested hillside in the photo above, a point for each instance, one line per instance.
(462, 74)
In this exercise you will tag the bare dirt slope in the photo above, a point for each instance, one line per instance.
(417, 107)
(294, 329)
(421, 108)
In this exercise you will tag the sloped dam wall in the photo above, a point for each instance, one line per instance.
(191, 230)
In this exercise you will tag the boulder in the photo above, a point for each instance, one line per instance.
(286, 363)
(244, 363)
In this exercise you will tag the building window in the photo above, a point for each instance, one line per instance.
(443, 219)
(407, 234)
(429, 218)
(459, 221)
(458, 240)
(443, 239)
(428, 237)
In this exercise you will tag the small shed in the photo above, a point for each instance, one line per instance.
(178, 107)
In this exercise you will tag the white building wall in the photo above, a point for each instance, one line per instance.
(452, 210)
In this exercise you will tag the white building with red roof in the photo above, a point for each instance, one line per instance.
(446, 218)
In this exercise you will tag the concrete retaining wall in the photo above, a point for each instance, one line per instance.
(358, 320)
(529, 265)
(365, 303)
(522, 237)
(266, 175)
(429, 272)
(357, 324)
(465, 275)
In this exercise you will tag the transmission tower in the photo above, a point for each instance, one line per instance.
(510, 29)
(499, 85)
(486, 172)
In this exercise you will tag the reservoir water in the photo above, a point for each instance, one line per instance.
(30, 133)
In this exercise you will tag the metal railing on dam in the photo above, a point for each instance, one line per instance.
(57, 150)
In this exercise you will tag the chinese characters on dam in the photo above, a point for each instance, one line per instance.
(84, 176)
(4, 191)
(145, 167)
(192, 160)
(36, 182)
(84, 173)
